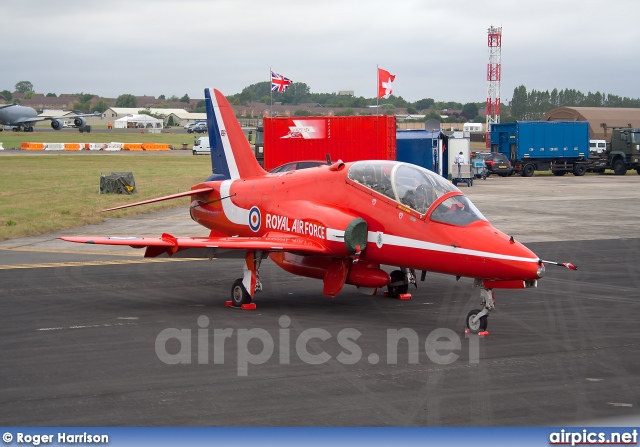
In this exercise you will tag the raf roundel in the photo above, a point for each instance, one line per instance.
(254, 219)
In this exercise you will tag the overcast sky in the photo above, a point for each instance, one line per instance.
(436, 49)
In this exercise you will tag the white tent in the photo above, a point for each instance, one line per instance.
(137, 121)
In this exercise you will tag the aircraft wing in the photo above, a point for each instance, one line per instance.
(209, 247)
(36, 119)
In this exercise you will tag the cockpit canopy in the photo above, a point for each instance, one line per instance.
(416, 188)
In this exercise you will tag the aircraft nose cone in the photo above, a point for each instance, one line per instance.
(508, 258)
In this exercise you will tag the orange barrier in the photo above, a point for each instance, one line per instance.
(73, 146)
(132, 147)
(155, 147)
(32, 146)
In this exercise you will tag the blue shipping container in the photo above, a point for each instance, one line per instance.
(420, 148)
(541, 140)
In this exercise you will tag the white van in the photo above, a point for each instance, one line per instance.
(201, 146)
(472, 127)
(597, 146)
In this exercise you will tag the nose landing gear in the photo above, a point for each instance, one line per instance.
(477, 319)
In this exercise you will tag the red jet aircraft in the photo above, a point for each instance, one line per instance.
(339, 223)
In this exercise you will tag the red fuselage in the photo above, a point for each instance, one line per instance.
(319, 203)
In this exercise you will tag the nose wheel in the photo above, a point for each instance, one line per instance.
(477, 319)
(475, 324)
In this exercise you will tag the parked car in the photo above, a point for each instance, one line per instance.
(295, 165)
(497, 164)
(198, 128)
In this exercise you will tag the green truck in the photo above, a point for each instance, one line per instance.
(622, 154)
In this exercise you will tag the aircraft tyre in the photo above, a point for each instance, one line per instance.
(239, 294)
(478, 326)
(397, 289)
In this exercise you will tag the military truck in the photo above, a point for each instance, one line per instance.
(622, 154)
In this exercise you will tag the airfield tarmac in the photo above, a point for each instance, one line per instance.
(79, 339)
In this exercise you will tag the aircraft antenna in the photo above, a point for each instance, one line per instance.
(494, 68)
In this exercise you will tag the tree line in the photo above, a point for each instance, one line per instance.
(534, 104)
(84, 99)
(300, 93)
(524, 105)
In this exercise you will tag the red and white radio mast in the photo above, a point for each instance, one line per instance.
(493, 79)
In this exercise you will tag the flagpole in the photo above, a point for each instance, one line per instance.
(377, 86)
(271, 94)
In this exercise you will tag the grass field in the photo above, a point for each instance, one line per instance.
(42, 194)
(13, 139)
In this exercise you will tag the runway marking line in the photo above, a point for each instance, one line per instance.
(85, 326)
(89, 263)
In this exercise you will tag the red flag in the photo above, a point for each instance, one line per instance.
(384, 83)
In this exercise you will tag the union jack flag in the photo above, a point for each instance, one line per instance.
(279, 83)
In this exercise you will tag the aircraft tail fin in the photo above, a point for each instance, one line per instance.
(231, 154)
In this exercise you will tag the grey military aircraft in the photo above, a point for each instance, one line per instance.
(25, 117)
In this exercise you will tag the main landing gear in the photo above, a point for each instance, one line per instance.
(244, 288)
(400, 280)
(477, 318)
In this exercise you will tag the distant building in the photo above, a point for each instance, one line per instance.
(601, 119)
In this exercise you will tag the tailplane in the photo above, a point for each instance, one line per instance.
(231, 154)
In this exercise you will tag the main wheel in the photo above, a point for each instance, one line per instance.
(478, 326)
(579, 170)
(239, 294)
(619, 168)
(528, 170)
(395, 290)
